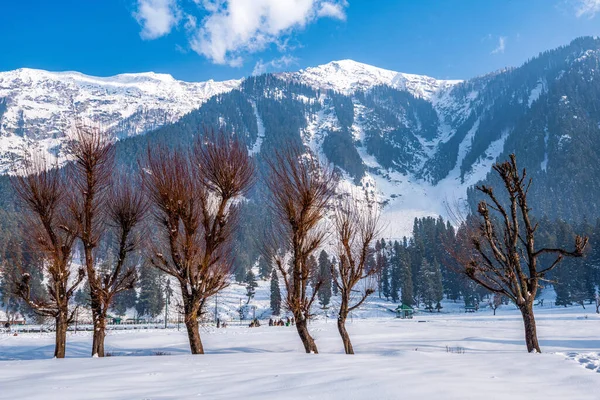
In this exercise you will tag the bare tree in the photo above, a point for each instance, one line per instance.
(125, 213)
(299, 191)
(505, 259)
(91, 174)
(356, 227)
(193, 196)
(51, 233)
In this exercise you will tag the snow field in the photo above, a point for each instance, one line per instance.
(434, 356)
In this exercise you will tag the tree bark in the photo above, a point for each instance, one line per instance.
(341, 323)
(531, 339)
(61, 322)
(309, 343)
(193, 331)
(99, 334)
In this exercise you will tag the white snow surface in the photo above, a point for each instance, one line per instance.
(348, 76)
(395, 359)
(43, 106)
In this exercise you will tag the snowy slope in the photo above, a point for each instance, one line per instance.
(42, 106)
(347, 76)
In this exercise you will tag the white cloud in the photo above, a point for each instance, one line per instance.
(231, 29)
(157, 17)
(235, 27)
(274, 65)
(501, 45)
(587, 8)
(333, 10)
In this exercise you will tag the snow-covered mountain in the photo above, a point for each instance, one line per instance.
(38, 108)
(348, 76)
(416, 143)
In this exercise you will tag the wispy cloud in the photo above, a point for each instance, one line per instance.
(232, 29)
(501, 45)
(157, 17)
(277, 64)
(587, 8)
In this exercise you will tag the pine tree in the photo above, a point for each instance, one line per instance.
(395, 272)
(385, 276)
(324, 293)
(123, 301)
(430, 284)
(82, 296)
(407, 295)
(151, 301)
(334, 288)
(275, 293)
(251, 285)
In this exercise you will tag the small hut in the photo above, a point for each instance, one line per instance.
(404, 311)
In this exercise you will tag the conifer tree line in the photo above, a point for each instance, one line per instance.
(420, 271)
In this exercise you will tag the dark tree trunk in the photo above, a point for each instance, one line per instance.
(193, 331)
(99, 334)
(61, 334)
(530, 329)
(309, 343)
(341, 323)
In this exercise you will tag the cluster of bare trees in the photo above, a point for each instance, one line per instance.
(192, 195)
(64, 206)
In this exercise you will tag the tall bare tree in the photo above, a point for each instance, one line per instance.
(50, 232)
(193, 196)
(300, 190)
(505, 259)
(356, 227)
(125, 212)
(90, 174)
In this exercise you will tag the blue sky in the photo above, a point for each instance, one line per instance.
(222, 39)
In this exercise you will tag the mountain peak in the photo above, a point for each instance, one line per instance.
(348, 76)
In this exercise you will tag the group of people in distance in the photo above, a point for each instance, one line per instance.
(256, 323)
(280, 322)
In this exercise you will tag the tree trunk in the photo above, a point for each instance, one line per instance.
(344, 334)
(99, 334)
(530, 329)
(60, 346)
(307, 340)
(193, 331)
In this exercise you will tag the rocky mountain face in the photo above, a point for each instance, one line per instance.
(38, 108)
(415, 143)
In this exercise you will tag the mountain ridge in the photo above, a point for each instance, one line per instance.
(416, 146)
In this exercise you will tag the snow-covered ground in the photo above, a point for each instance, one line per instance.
(433, 356)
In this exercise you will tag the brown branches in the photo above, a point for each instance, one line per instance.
(356, 227)
(506, 259)
(126, 212)
(50, 232)
(299, 192)
(90, 176)
(192, 195)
